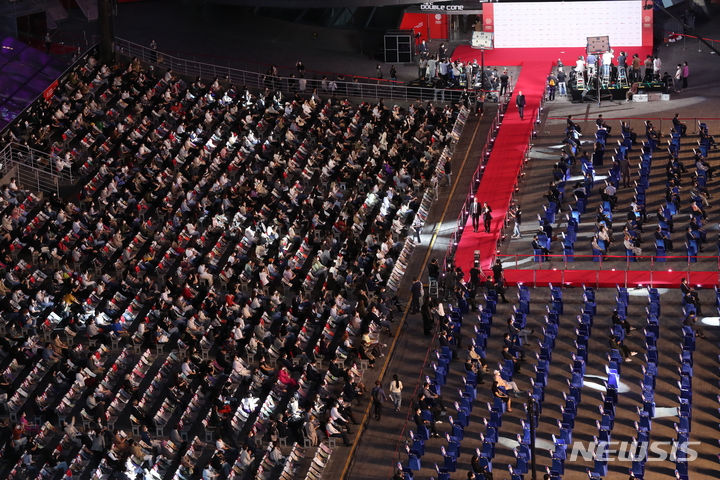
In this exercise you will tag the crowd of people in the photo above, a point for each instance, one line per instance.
(631, 223)
(241, 240)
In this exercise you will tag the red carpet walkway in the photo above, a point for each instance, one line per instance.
(496, 186)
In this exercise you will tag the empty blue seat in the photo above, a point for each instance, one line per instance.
(660, 252)
(413, 459)
(491, 431)
(453, 446)
(418, 444)
(449, 460)
(442, 473)
(557, 469)
(440, 374)
(458, 430)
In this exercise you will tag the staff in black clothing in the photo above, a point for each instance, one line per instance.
(448, 173)
(434, 269)
(498, 272)
(504, 82)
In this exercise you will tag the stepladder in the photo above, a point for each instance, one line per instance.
(622, 77)
(433, 289)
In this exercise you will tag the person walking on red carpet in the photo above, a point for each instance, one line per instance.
(487, 216)
(475, 214)
(520, 102)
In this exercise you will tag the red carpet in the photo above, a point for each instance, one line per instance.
(501, 171)
(609, 278)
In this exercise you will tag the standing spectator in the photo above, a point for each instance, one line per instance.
(685, 74)
(431, 68)
(300, 67)
(606, 62)
(475, 215)
(424, 49)
(520, 102)
(378, 73)
(562, 85)
(448, 172)
(416, 289)
(517, 218)
(678, 77)
(657, 65)
(636, 77)
(487, 217)
(393, 73)
(442, 52)
(622, 63)
(648, 69)
(395, 390)
(551, 86)
(443, 72)
(504, 79)
(379, 397)
(625, 171)
(422, 68)
(580, 66)
(591, 61)
(427, 316)
(153, 53)
(433, 269)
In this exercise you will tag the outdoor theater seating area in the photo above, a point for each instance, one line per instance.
(595, 382)
(588, 212)
(222, 248)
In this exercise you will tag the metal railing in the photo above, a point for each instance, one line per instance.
(388, 90)
(698, 269)
(474, 185)
(35, 169)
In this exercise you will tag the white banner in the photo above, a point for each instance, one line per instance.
(567, 24)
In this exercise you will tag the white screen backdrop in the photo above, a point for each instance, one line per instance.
(567, 24)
